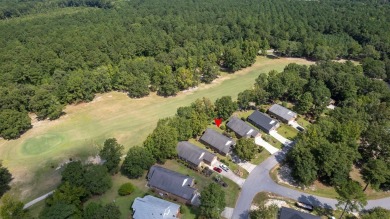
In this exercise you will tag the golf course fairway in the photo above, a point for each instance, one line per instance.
(33, 158)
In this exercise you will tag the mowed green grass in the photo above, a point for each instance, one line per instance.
(32, 159)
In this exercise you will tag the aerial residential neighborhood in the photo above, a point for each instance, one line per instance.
(206, 109)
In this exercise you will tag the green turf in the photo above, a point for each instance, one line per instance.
(260, 157)
(302, 122)
(85, 126)
(287, 131)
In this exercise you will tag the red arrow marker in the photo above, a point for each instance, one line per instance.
(218, 121)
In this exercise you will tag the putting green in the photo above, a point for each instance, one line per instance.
(33, 157)
(41, 144)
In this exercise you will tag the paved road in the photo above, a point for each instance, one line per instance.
(259, 180)
(33, 202)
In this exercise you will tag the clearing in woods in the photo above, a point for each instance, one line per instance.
(33, 158)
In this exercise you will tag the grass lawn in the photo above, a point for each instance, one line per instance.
(287, 131)
(302, 122)
(244, 114)
(85, 126)
(123, 202)
(271, 140)
(260, 157)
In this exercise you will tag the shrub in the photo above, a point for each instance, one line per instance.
(183, 209)
(223, 127)
(125, 189)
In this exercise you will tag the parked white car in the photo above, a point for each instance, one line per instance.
(224, 167)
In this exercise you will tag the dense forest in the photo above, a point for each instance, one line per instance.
(50, 59)
(356, 132)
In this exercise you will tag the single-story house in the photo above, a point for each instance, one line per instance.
(263, 121)
(241, 128)
(288, 213)
(283, 114)
(217, 141)
(173, 185)
(194, 155)
(150, 207)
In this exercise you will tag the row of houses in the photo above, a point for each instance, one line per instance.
(223, 144)
(170, 184)
(268, 124)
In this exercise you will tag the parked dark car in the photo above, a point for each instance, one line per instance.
(305, 206)
(216, 169)
(300, 129)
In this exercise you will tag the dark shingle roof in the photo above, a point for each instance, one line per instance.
(172, 182)
(282, 112)
(193, 153)
(241, 128)
(262, 120)
(217, 140)
(288, 213)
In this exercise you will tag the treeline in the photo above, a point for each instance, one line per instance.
(167, 46)
(12, 9)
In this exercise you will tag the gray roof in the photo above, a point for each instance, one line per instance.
(288, 213)
(262, 120)
(282, 112)
(241, 128)
(172, 182)
(150, 207)
(193, 153)
(217, 140)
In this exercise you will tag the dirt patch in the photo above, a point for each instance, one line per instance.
(276, 202)
(95, 160)
(284, 176)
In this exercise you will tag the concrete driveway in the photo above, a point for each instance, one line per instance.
(230, 175)
(280, 138)
(247, 166)
(295, 125)
(271, 149)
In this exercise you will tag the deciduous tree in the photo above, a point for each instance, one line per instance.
(212, 201)
(111, 154)
(162, 142)
(5, 179)
(12, 208)
(138, 159)
(13, 123)
(375, 172)
(97, 180)
(225, 106)
(246, 148)
(351, 196)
